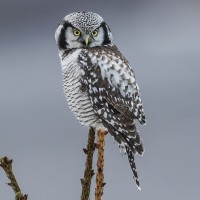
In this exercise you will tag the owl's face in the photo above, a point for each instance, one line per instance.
(82, 30)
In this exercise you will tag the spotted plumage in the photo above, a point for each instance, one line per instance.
(99, 84)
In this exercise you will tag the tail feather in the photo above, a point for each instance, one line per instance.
(131, 144)
(133, 166)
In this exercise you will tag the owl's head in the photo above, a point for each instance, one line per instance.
(82, 30)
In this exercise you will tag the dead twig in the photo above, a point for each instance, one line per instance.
(6, 164)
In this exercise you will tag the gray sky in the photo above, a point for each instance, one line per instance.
(161, 39)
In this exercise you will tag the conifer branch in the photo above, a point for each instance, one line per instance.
(89, 172)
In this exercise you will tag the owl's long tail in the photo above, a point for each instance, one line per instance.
(131, 159)
(127, 143)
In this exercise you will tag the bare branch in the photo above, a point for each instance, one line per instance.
(6, 164)
(100, 164)
(89, 172)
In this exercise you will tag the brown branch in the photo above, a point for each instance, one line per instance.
(89, 172)
(100, 164)
(6, 164)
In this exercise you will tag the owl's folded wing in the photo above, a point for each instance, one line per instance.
(111, 82)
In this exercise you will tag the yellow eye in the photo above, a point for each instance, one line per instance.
(94, 33)
(76, 32)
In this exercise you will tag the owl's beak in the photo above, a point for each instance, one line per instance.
(86, 40)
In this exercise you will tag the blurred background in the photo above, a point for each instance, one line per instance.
(161, 39)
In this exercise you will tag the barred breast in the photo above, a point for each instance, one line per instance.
(78, 101)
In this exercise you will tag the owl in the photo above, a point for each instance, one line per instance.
(99, 84)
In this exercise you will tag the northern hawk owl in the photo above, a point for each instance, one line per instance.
(99, 84)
